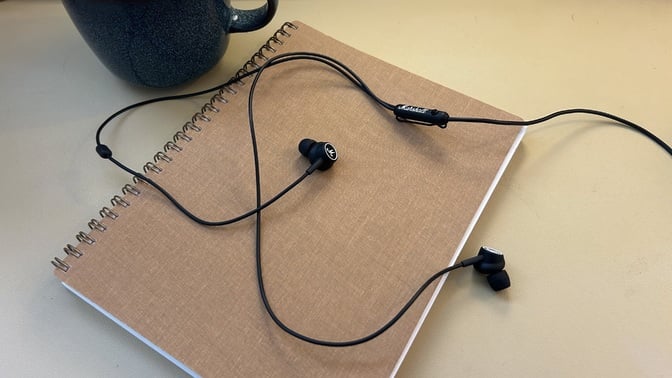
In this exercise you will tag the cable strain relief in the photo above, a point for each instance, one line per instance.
(471, 261)
(315, 166)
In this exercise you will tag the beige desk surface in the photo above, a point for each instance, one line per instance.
(583, 213)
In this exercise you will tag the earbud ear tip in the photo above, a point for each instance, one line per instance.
(499, 280)
(305, 145)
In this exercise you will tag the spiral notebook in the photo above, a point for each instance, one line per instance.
(341, 253)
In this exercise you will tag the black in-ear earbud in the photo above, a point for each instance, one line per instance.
(491, 262)
(321, 155)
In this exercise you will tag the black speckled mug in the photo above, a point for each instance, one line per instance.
(161, 43)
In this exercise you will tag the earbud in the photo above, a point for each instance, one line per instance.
(321, 155)
(491, 262)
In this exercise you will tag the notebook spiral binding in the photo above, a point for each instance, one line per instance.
(181, 137)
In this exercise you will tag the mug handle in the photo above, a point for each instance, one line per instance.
(253, 19)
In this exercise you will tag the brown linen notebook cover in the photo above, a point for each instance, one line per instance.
(341, 253)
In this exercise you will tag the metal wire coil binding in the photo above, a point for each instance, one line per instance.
(128, 188)
(107, 212)
(191, 126)
(276, 40)
(72, 251)
(181, 135)
(83, 237)
(149, 166)
(209, 107)
(96, 225)
(259, 55)
(172, 146)
(117, 200)
(60, 264)
(219, 98)
(268, 47)
(200, 117)
(162, 156)
(228, 89)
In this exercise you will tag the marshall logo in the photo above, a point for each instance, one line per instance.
(330, 151)
(414, 109)
(421, 116)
